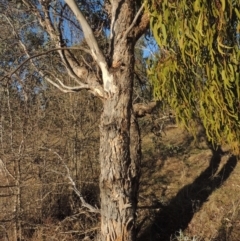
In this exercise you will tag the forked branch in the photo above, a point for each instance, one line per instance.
(94, 87)
(97, 54)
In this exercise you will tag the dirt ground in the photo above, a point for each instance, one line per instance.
(188, 189)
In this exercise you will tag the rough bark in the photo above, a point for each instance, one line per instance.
(119, 176)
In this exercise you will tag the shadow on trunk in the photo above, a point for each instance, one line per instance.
(178, 213)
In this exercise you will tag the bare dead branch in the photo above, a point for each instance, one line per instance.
(94, 88)
(70, 63)
(4, 170)
(57, 86)
(77, 192)
(63, 88)
(41, 54)
(28, 4)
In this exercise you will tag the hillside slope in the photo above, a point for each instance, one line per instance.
(185, 186)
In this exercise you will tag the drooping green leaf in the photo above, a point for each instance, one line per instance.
(203, 74)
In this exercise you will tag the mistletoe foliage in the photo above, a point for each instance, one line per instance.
(197, 70)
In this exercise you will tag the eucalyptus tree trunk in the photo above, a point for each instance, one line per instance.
(119, 134)
(119, 163)
(119, 141)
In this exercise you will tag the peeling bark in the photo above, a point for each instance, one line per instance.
(119, 160)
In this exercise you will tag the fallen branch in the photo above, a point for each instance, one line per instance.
(77, 192)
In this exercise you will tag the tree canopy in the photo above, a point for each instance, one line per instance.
(197, 68)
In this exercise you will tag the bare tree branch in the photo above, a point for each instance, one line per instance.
(88, 33)
(78, 193)
(57, 86)
(93, 45)
(3, 169)
(133, 22)
(70, 63)
(95, 87)
(75, 71)
(41, 54)
(141, 28)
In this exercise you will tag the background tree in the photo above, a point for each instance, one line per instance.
(197, 69)
(38, 153)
